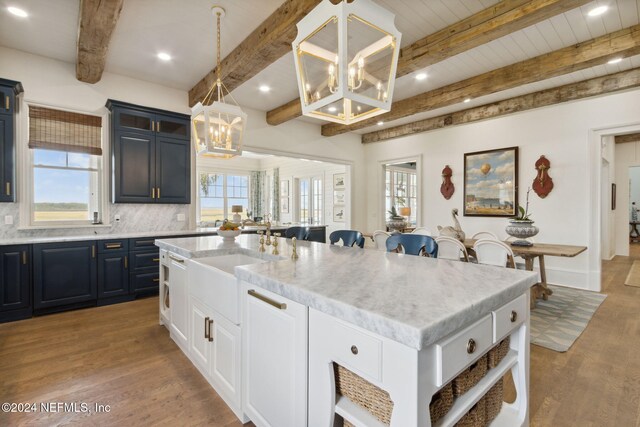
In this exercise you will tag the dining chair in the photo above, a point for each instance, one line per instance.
(423, 231)
(413, 244)
(493, 252)
(348, 237)
(380, 239)
(450, 248)
(300, 233)
(485, 235)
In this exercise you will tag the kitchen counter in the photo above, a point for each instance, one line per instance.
(412, 300)
(206, 231)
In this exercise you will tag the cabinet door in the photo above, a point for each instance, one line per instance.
(179, 302)
(113, 274)
(173, 127)
(129, 119)
(134, 168)
(274, 359)
(15, 283)
(225, 359)
(146, 281)
(173, 170)
(64, 273)
(199, 344)
(7, 158)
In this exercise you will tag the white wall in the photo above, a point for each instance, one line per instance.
(559, 132)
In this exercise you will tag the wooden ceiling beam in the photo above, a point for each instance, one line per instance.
(487, 25)
(631, 137)
(98, 19)
(265, 45)
(593, 87)
(623, 43)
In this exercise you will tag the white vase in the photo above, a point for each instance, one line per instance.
(521, 230)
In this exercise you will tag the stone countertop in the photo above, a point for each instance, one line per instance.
(412, 300)
(207, 231)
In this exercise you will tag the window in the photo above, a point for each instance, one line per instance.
(218, 192)
(401, 191)
(310, 200)
(65, 155)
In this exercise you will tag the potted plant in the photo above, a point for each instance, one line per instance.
(395, 222)
(521, 227)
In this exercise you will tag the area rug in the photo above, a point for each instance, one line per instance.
(558, 322)
(633, 278)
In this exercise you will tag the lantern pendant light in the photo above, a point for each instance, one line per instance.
(218, 127)
(346, 56)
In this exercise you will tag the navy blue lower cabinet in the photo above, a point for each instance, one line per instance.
(113, 274)
(15, 282)
(64, 275)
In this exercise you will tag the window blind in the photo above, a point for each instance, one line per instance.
(64, 131)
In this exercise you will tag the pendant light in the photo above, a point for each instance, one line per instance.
(218, 126)
(346, 56)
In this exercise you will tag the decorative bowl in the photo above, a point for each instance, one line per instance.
(229, 235)
(521, 229)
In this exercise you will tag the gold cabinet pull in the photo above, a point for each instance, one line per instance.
(276, 304)
(206, 326)
(155, 259)
(8, 188)
(153, 126)
(210, 324)
(113, 245)
(93, 251)
(24, 257)
(156, 279)
(176, 259)
(153, 193)
(471, 346)
(126, 262)
(7, 104)
(158, 192)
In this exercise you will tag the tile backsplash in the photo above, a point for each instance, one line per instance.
(133, 218)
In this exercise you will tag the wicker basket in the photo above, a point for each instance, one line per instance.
(441, 403)
(363, 393)
(476, 417)
(493, 400)
(469, 377)
(497, 353)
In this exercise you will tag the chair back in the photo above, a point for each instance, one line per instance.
(485, 235)
(450, 248)
(380, 239)
(413, 244)
(422, 231)
(348, 237)
(493, 252)
(299, 233)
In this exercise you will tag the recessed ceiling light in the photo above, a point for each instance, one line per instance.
(332, 109)
(164, 56)
(614, 61)
(598, 10)
(421, 76)
(264, 88)
(467, 100)
(380, 123)
(17, 11)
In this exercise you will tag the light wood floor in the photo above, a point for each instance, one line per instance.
(119, 355)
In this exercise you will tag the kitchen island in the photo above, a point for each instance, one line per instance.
(406, 326)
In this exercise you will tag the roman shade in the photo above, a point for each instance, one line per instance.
(64, 131)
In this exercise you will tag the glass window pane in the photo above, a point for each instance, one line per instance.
(61, 195)
(79, 160)
(49, 157)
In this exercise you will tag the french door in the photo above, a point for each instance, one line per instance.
(310, 200)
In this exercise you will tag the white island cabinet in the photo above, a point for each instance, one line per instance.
(295, 343)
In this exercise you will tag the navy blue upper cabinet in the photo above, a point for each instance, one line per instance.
(64, 274)
(9, 91)
(151, 155)
(15, 282)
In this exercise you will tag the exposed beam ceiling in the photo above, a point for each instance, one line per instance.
(571, 92)
(487, 25)
(631, 137)
(98, 19)
(265, 45)
(623, 43)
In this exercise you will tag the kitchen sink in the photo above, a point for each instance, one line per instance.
(227, 263)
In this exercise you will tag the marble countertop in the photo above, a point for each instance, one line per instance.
(208, 231)
(413, 300)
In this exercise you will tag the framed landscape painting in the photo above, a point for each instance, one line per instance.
(491, 183)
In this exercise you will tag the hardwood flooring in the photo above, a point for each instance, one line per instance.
(119, 356)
